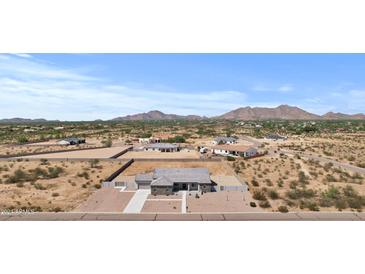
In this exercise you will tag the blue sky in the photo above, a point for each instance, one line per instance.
(104, 86)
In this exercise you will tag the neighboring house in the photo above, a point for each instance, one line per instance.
(275, 137)
(165, 181)
(234, 150)
(224, 140)
(162, 147)
(158, 138)
(144, 140)
(72, 141)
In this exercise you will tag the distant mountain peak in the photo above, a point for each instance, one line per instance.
(156, 115)
(265, 113)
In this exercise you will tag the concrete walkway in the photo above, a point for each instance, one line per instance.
(135, 205)
(183, 202)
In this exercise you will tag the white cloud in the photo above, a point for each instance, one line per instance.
(22, 55)
(285, 88)
(31, 88)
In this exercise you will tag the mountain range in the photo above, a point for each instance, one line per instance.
(282, 112)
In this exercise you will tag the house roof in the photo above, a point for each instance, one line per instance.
(233, 148)
(73, 139)
(162, 145)
(182, 175)
(169, 176)
(225, 139)
(162, 181)
(144, 177)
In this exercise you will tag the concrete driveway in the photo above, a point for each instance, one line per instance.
(135, 205)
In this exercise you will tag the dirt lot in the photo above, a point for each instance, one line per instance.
(106, 200)
(223, 201)
(157, 206)
(300, 184)
(99, 153)
(13, 150)
(50, 185)
(346, 148)
(158, 155)
(215, 168)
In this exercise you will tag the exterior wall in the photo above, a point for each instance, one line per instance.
(144, 186)
(205, 188)
(221, 152)
(251, 152)
(161, 190)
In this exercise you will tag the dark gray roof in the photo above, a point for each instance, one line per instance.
(162, 145)
(162, 181)
(169, 176)
(144, 177)
(225, 139)
(182, 175)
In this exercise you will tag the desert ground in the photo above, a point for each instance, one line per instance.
(281, 182)
(100, 153)
(43, 185)
(14, 150)
(223, 201)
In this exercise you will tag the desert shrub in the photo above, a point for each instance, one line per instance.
(273, 194)
(230, 158)
(44, 161)
(252, 204)
(254, 182)
(84, 174)
(56, 209)
(341, 204)
(97, 186)
(264, 204)
(330, 178)
(20, 184)
(39, 186)
(280, 183)
(55, 194)
(18, 176)
(283, 209)
(259, 195)
(94, 163)
(268, 182)
(54, 172)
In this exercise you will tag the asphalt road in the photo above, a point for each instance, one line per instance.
(265, 216)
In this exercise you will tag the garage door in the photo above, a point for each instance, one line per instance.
(144, 186)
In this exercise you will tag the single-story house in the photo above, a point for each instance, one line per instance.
(234, 150)
(162, 147)
(72, 141)
(165, 181)
(224, 140)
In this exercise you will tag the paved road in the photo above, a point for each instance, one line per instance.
(326, 160)
(135, 205)
(254, 216)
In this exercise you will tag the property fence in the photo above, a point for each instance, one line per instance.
(121, 153)
(108, 181)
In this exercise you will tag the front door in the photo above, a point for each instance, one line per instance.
(184, 187)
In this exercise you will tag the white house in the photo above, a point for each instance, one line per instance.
(162, 147)
(234, 150)
(224, 140)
